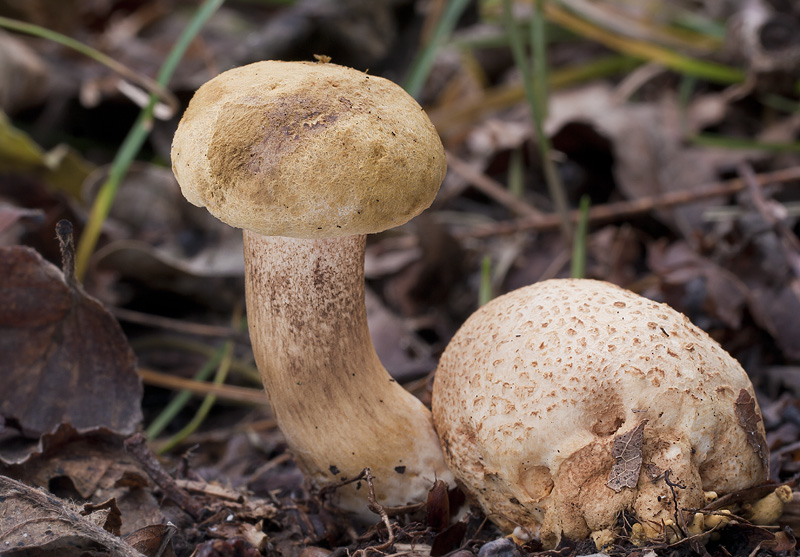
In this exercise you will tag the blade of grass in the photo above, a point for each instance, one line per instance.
(461, 115)
(135, 139)
(485, 289)
(538, 41)
(552, 178)
(578, 265)
(150, 85)
(708, 140)
(205, 406)
(423, 62)
(177, 404)
(516, 173)
(241, 368)
(223, 367)
(617, 20)
(709, 71)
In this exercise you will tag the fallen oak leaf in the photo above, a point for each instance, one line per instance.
(65, 358)
(627, 452)
(32, 520)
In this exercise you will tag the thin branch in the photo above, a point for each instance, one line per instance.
(158, 321)
(230, 393)
(492, 188)
(626, 209)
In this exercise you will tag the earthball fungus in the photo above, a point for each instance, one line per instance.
(564, 403)
(307, 158)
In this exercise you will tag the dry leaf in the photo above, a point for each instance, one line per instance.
(113, 519)
(437, 507)
(749, 420)
(153, 540)
(627, 453)
(34, 522)
(65, 358)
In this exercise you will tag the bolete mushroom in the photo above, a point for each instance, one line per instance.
(564, 403)
(307, 158)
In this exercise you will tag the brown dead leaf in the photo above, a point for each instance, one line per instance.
(34, 522)
(627, 452)
(749, 420)
(91, 461)
(777, 309)
(66, 359)
(153, 540)
(113, 519)
(784, 541)
(252, 533)
(437, 507)
(680, 269)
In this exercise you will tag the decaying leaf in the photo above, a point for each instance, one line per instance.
(65, 358)
(34, 521)
(253, 534)
(627, 452)
(153, 540)
(112, 521)
(749, 419)
(437, 507)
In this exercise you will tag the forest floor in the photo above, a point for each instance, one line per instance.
(130, 395)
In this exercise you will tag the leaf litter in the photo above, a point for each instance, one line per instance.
(627, 452)
(630, 142)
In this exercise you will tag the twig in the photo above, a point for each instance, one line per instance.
(625, 209)
(492, 188)
(376, 507)
(231, 393)
(137, 446)
(680, 522)
(200, 329)
(790, 246)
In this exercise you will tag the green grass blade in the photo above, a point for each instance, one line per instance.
(485, 289)
(94, 54)
(552, 178)
(708, 140)
(207, 404)
(578, 265)
(134, 140)
(423, 62)
(177, 404)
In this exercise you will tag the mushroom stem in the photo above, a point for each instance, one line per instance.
(337, 406)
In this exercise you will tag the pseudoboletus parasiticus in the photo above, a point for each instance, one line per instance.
(307, 158)
(562, 404)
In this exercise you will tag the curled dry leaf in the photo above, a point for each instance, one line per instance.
(32, 520)
(66, 359)
(748, 418)
(112, 521)
(153, 540)
(437, 507)
(627, 452)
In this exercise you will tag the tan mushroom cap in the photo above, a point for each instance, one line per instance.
(308, 150)
(534, 388)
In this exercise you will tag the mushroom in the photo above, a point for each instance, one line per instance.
(564, 403)
(307, 158)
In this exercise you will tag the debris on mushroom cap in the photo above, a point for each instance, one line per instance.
(307, 150)
(538, 386)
